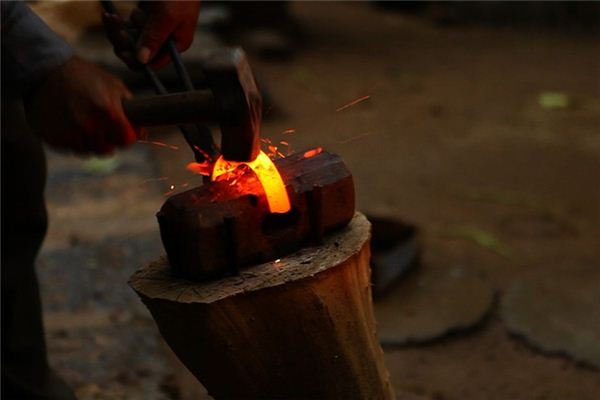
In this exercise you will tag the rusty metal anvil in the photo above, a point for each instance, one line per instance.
(232, 100)
(215, 229)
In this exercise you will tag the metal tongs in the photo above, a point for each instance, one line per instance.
(197, 136)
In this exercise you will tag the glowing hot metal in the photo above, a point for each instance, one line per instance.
(268, 176)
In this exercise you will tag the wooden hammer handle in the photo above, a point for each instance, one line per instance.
(173, 109)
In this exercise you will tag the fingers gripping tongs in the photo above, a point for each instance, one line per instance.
(233, 100)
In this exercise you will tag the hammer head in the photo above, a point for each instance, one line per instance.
(231, 80)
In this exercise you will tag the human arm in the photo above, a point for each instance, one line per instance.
(30, 49)
(70, 103)
(79, 108)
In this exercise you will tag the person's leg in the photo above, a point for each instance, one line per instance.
(25, 370)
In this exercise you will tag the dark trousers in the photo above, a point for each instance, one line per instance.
(25, 370)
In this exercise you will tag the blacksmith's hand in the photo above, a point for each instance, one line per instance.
(79, 108)
(156, 22)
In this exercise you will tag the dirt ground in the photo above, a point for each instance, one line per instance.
(454, 134)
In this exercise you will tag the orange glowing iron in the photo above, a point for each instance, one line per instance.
(268, 176)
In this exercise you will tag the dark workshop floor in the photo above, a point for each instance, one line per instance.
(461, 135)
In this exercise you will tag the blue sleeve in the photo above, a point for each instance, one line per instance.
(30, 49)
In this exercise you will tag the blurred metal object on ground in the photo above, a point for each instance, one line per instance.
(394, 252)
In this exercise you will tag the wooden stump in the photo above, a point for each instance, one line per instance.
(298, 328)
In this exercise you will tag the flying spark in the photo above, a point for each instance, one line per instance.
(206, 156)
(170, 191)
(313, 152)
(203, 168)
(353, 138)
(353, 103)
(160, 178)
(159, 144)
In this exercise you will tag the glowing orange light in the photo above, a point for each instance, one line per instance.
(313, 152)
(159, 144)
(268, 176)
(353, 103)
(203, 168)
(170, 191)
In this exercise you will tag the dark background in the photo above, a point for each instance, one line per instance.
(481, 128)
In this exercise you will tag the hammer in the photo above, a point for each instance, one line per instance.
(232, 100)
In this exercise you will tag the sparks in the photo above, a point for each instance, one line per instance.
(204, 168)
(206, 156)
(313, 152)
(159, 144)
(266, 172)
(273, 151)
(353, 138)
(170, 191)
(160, 178)
(289, 131)
(353, 103)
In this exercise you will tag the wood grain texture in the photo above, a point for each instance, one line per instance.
(301, 328)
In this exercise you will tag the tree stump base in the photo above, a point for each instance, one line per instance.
(301, 327)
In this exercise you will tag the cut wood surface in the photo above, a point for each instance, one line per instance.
(300, 328)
